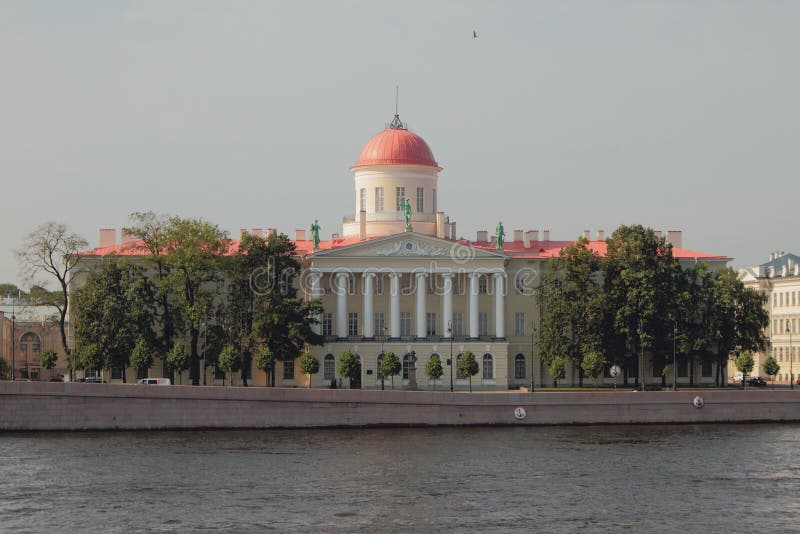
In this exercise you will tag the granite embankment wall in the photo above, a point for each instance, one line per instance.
(77, 406)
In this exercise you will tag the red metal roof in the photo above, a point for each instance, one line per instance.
(396, 146)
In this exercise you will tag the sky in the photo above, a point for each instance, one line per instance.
(562, 115)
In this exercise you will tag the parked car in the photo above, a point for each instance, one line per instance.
(757, 381)
(738, 379)
(155, 381)
(94, 380)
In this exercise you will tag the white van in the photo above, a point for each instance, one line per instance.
(155, 381)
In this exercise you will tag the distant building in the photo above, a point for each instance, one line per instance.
(33, 330)
(398, 277)
(779, 280)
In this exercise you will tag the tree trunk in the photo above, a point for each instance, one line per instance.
(470, 384)
(194, 360)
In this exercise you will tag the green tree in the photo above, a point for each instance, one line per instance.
(309, 365)
(92, 358)
(48, 360)
(593, 364)
(52, 250)
(5, 369)
(114, 308)
(390, 366)
(467, 366)
(265, 361)
(744, 364)
(771, 367)
(141, 357)
(434, 370)
(557, 368)
(11, 290)
(177, 359)
(194, 248)
(230, 361)
(349, 365)
(572, 303)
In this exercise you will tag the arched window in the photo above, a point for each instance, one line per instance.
(519, 366)
(29, 340)
(328, 368)
(488, 367)
(408, 359)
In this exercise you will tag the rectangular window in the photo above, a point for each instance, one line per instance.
(351, 285)
(430, 321)
(431, 284)
(362, 199)
(35, 347)
(483, 324)
(116, 372)
(458, 285)
(706, 370)
(328, 368)
(380, 324)
(399, 197)
(420, 200)
(288, 370)
(483, 283)
(352, 324)
(379, 200)
(327, 324)
(657, 369)
(519, 324)
(434, 201)
(683, 368)
(519, 366)
(405, 324)
(774, 299)
(379, 285)
(405, 284)
(458, 324)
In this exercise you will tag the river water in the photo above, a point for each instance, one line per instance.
(707, 478)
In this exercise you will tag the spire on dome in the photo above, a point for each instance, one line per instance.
(396, 123)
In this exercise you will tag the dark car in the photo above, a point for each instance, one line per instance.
(649, 387)
(757, 381)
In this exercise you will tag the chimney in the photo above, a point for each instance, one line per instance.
(483, 236)
(587, 234)
(674, 237)
(271, 232)
(362, 225)
(797, 269)
(242, 232)
(658, 233)
(784, 270)
(453, 234)
(258, 231)
(127, 237)
(299, 235)
(526, 239)
(601, 235)
(519, 235)
(108, 237)
(440, 224)
(546, 235)
(534, 235)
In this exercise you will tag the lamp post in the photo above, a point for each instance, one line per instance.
(450, 335)
(13, 341)
(674, 359)
(533, 332)
(205, 337)
(791, 355)
(641, 359)
(383, 339)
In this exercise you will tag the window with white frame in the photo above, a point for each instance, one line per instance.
(458, 285)
(430, 321)
(483, 285)
(405, 324)
(378, 199)
(431, 284)
(519, 285)
(352, 324)
(288, 369)
(519, 324)
(328, 368)
(399, 197)
(458, 324)
(406, 284)
(519, 366)
(351, 285)
(488, 367)
(362, 199)
(380, 324)
(408, 359)
(483, 324)
(379, 285)
(420, 200)
(327, 324)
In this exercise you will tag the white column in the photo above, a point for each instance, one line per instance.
(369, 327)
(316, 292)
(447, 303)
(422, 327)
(499, 305)
(474, 332)
(341, 304)
(394, 305)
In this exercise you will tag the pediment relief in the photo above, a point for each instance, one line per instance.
(411, 245)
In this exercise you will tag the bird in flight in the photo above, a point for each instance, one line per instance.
(474, 34)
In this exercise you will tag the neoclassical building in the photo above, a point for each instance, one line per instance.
(779, 280)
(398, 277)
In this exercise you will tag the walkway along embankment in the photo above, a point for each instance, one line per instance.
(79, 406)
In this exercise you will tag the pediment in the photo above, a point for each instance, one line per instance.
(409, 245)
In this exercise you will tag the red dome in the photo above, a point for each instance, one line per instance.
(396, 146)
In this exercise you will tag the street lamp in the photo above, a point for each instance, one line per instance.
(641, 358)
(450, 334)
(205, 338)
(674, 359)
(533, 332)
(383, 339)
(13, 341)
(791, 355)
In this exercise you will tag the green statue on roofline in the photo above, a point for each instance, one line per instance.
(315, 233)
(500, 233)
(407, 212)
